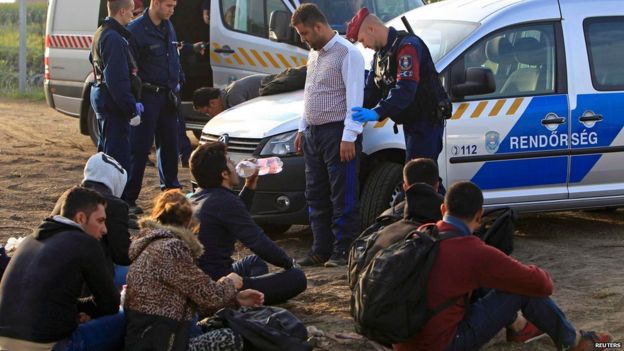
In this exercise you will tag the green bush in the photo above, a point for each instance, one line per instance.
(9, 48)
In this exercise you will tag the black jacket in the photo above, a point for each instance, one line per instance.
(117, 240)
(422, 205)
(41, 286)
(224, 218)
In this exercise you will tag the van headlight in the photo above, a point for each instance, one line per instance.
(280, 145)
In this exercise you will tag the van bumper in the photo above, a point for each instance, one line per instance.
(280, 198)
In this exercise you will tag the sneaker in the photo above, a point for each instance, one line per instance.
(527, 334)
(589, 339)
(135, 210)
(312, 260)
(336, 260)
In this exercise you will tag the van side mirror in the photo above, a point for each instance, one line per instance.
(476, 81)
(279, 27)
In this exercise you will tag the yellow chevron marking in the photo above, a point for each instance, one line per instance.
(304, 60)
(382, 123)
(497, 108)
(480, 107)
(295, 60)
(214, 57)
(271, 59)
(228, 61)
(283, 60)
(259, 58)
(460, 111)
(238, 59)
(514, 107)
(247, 57)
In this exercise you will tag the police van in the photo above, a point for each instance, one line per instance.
(240, 38)
(538, 111)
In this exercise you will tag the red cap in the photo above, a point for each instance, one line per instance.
(138, 5)
(353, 27)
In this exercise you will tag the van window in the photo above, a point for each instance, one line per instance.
(442, 36)
(339, 12)
(605, 47)
(250, 16)
(522, 60)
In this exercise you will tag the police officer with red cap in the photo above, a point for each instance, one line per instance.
(403, 85)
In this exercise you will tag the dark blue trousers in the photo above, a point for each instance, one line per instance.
(423, 140)
(160, 123)
(331, 189)
(184, 142)
(497, 310)
(114, 129)
(277, 287)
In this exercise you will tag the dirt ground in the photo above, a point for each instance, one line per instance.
(42, 153)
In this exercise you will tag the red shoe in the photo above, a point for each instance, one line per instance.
(527, 334)
(589, 339)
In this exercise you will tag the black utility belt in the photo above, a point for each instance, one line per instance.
(155, 88)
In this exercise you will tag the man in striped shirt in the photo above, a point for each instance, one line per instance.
(328, 136)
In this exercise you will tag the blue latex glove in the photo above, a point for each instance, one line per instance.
(177, 88)
(139, 108)
(361, 114)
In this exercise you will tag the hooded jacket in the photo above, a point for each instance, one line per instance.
(41, 286)
(165, 286)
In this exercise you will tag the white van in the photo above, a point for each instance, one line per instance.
(238, 34)
(538, 99)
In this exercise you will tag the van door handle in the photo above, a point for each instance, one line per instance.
(558, 120)
(590, 118)
(224, 50)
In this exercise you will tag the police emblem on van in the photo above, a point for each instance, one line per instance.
(492, 141)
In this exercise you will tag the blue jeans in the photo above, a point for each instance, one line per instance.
(497, 310)
(276, 287)
(331, 189)
(102, 334)
(120, 276)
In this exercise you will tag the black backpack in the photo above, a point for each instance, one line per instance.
(388, 300)
(264, 328)
(497, 228)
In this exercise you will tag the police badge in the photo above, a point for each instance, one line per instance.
(405, 62)
(492, 140)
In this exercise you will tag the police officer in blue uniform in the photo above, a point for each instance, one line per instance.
(117, 87)
(403, 85)
(154, 42)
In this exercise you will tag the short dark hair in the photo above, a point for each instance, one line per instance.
(464, 200)
(207, 163)
(421, 170)
(308, 14)
(115, 5)
(202, 96)
(79, 199)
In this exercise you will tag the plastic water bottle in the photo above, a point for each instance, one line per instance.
(269, 165)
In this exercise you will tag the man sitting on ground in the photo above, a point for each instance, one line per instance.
(39, 306)
(464, 264)
(213, 101)
(421, 180)
(106, 176)
(224, 218)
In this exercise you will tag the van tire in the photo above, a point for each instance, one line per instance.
(380, 188)
(92, 126)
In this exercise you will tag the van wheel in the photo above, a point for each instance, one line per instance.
(382, 186)
(92, 125)
(274, 229)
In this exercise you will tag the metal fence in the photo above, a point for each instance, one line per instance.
(10, 44)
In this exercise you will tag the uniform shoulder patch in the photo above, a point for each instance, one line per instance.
(406, 62)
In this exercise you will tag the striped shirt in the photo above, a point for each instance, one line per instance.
(334, 84)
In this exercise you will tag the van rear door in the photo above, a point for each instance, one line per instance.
(594, 38)
(240, 45)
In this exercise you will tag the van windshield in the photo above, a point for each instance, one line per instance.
(339, 12)
(442, 36)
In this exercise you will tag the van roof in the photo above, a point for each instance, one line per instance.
(478, 10)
